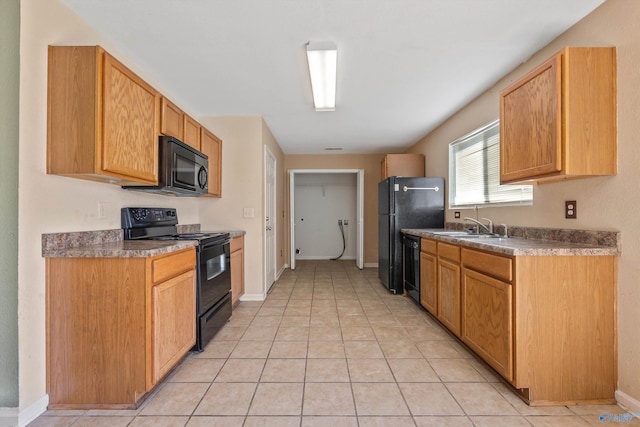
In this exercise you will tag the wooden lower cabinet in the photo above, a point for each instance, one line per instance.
(487, 316)
(172, 322)
(116, 326)
(449, 286)
(449, 295)
(429, 282)
(546, 324)
(237, 269)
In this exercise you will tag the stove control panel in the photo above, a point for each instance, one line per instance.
(148, 217)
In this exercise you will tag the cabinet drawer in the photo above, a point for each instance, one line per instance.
(429, 246)
(493, 265)
(237, 243)
(450, 252)
(169, 266)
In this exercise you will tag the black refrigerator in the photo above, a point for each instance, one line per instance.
(404, 203)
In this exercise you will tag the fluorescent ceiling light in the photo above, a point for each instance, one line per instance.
(323, 61)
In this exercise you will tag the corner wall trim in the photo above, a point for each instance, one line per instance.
(629, 403)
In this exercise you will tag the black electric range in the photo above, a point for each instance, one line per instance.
(213, 285)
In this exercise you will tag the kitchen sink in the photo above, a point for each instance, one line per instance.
(465, 235)
(451, 233)
(481, 236)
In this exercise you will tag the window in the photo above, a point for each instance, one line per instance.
(474, 172)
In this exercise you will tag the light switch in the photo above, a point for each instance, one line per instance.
(247, 213)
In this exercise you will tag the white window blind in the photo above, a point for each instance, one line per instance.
(474, 171)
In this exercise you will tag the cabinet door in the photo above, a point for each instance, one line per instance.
(531, 125)
(408, 165)
(449, 295)
(173, 322)
(487, 321)
(237, 275)
(428, 282)
(129, 124)
(171, 119)
(212, 147)
(191, 132)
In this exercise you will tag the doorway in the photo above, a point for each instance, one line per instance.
(301, 175)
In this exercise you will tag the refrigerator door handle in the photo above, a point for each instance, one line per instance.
(436, 189)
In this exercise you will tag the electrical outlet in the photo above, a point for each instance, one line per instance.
(570, 209)
(102, 210)
(456, 214)
(345, 222)
(339, 222)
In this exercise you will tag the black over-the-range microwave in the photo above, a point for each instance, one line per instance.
(182, 170)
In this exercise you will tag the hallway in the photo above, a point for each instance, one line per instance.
(331, 346)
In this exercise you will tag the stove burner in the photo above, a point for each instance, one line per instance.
(188, 235)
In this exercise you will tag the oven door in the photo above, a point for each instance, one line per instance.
(214, 275)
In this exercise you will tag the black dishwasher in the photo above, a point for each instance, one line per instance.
(411, 266)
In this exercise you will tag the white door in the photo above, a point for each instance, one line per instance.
(270, 219)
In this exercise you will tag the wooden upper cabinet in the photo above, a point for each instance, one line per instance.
(211, 145)
(192, 131)
(408, 165)
(559, 121)
(171, 119)
(102, 118)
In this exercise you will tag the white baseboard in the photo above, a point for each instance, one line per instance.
(629, 403)
(320, 258)
(370, 265)
(12, 417)
(279, 273)
(252, 297)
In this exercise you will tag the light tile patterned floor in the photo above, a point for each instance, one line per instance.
(331, 346)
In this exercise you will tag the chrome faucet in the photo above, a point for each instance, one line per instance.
(489, 227)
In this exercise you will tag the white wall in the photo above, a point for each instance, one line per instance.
(320, 201)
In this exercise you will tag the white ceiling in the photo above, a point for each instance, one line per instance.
(404, 66)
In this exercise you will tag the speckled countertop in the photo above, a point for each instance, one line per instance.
(110, 244)
(518, 246)
(121, 249)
